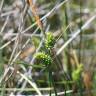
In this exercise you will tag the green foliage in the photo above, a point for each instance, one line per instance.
(77, 73)
(35, 41)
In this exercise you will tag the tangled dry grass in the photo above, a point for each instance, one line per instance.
(66, 62)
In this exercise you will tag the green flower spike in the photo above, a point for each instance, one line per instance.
(50, 41)
(44, 58)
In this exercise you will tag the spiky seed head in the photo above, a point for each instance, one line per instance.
(44, 58)
(50, 40)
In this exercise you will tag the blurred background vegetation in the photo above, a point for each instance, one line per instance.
(47, 47)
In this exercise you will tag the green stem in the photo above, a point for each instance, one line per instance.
(52, 81)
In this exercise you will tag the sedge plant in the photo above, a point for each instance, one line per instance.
(45, 57)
